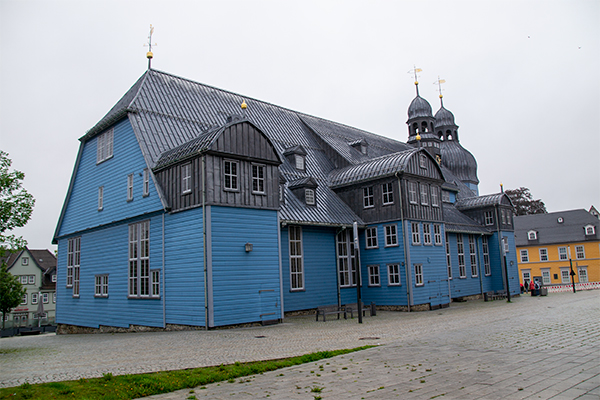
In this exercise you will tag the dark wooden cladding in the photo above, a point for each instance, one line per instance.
(245, 140)
(241, 143)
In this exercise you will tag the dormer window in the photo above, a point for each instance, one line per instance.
(360, 145)
(532, 235)
(590, 230)
(309, 197)
(300, 162)
(297, 157)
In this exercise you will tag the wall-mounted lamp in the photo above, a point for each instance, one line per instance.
(248, 247)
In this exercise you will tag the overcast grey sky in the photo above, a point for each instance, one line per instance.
(522, 78)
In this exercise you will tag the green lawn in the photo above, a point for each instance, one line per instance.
(133, 386)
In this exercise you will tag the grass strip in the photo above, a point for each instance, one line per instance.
(121, 387)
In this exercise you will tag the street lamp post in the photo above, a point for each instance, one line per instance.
(572, 272)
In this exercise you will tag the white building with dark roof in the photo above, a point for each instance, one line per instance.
(185, 209)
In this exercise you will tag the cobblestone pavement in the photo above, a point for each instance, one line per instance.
(533, 348)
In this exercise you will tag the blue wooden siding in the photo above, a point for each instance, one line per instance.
(382, 256)
(434, 290)
(245, 284)
(106, 251)
(320, 269)
(184, 268)
(82, 209)
(498, 266)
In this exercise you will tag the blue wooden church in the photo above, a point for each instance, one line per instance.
(186, 210)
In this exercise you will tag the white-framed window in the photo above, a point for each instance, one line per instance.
(412, 192)
(368, 198)
(104, 146)
(546, 279)
(423, 161)
(100, 198)
(434, 197)
(129, 187)
(53, 278)
(34, 298)
(489, 217)
(473, 255)
(394, 274)
(45, 298)
(24, 279)
(437, 234)
(579, 252)
(543, 254)
(76, 271)
(416, 233)
(424, 194)
(418, 274)
(186, 178)
(155, 276)
(532, 235)
(426, 234)
(25, 261)
(388, 193)
(462, 270)
(296, 260)
(73, 258)
(300, 162)
(24, 299)
(391, 235)
(590, 230)
(445, 196)
(101, 286)
(146, 183)
(309, 196)
(31, 279)
(562, 253)
(139, 277)
(508, 217)
(371, 236)
(230, 175)
(346, 259)
(583, 276)
(258, 179)
(448, 259)
(565, 276)
(503, 216)
(506, 244)
(54, 297)
(374, 275)
(524, 256)
(486, 256)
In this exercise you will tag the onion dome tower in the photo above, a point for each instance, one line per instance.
(455, 157)
(421, 124)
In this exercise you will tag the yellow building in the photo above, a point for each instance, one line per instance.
(550, 246)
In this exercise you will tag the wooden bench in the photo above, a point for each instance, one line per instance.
(500, 294)
(354, 307)
(330, 310)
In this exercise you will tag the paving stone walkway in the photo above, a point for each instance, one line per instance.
(533, 348)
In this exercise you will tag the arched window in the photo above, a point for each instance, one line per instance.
(423, 127)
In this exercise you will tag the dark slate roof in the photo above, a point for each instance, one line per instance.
(483, 201)
(194, 146)
(459, 160)
(443, 117)
(377, 168)
(550, 231)
(304, 182)
(419, 108)
(457, 222)
(455, 184)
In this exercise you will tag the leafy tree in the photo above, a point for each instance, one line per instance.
(16, 206)
(11, 291)
(524, 202)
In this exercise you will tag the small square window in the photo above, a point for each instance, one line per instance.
(524, 256)
(532, 235)
(31, 279)
(34, 298)
(562, 253)
(373, 275)
(230, 175)
(388, 193)
(371, 235)
(489, 218)
(543, 254)
(25, 261)
(391, 236)
(393, 275)
(579, 252)
(368, 197)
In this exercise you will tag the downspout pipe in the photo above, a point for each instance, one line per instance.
(204, 242)
(500, 249)
(406, 261)
(479, 263)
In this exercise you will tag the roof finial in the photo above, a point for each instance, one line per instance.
(414, 71)
(501, 187)
(149, 54)
(244, 106)
(439, 83)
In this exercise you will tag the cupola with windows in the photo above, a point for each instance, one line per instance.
(421, 125)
